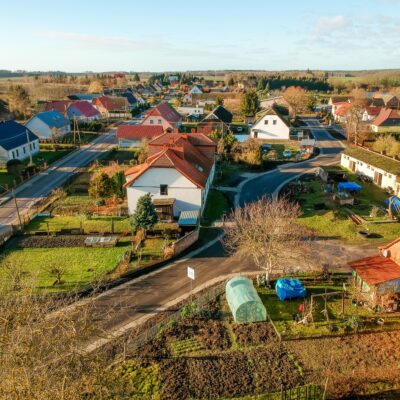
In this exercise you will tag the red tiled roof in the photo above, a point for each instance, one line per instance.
(373, 110)
(343, 109)
(58, 105)
(176, 151)
(385, 114)
(166, 111)
(196, 139)
(111, 103)
(139, 131)
(85, 108)
(376, 269)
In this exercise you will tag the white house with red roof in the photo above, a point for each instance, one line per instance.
(163, 114)
(177, 173)
(370, 113)
(133, 135)
(112, 106)
(83, 111)
(388, 120)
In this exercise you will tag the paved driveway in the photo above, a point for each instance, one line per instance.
(270, 182)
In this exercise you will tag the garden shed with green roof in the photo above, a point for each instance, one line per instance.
(244, 301)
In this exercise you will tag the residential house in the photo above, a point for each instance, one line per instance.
(16, 141)
(387, 120)
(218, 120)
(386, 100)
(338, 99)
(370, 113)
(177, 173)
(131, 99)
(187, 98)
(342, 112)
(377, 278)
(271, 124)
(383, 170)
(195, 90)
(58, 105)
(132, 135)
(164, 115)
(112, 107)
(188, 111)
(49, 125)
(84, 96)
(83, 111)
(335, 106)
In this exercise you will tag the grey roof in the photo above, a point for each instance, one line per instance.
(53, 119)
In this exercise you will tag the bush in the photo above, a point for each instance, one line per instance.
(15, 167)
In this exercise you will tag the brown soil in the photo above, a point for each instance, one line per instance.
(50, 241)
(254, 334)
(355, 365)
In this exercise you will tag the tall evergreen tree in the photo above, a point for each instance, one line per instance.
(145, 216)
(250, 103)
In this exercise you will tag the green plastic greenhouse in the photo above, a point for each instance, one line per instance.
(244, 302)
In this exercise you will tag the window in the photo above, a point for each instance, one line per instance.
(24, 150)
(266, 122)
(274, 121)
(159, 121)
(13, 155)
(151, 122)
(164, 190)
(17, 151)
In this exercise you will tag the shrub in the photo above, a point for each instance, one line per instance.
(15, 167)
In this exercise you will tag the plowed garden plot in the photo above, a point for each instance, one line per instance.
(228, 375)
(254, 334)
(356, 364)
(49, 241)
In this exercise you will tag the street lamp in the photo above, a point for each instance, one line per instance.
(16, 203)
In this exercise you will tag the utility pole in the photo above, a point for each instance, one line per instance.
(17, 208)
(29, 146)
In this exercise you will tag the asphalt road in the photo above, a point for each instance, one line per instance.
(41, 185)
(269, 183)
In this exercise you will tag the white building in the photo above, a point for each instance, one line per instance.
(272, 125)
(178, 174)
(383, 170)
(16, 141)
(195, 111)
(49, 125)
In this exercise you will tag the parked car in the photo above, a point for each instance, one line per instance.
(265, 148)
(287, 153)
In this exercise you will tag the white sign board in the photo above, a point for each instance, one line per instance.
(190, 273)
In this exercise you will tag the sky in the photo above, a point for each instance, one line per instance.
(180, 35)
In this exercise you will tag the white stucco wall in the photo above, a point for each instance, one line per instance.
(20, 152)
(362, 168)
(270, 130)
(188, 196)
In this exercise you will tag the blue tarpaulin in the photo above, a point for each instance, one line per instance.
(289, 289)
(349, 186)
(395, 203)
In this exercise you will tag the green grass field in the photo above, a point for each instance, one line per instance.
(94, 224)
(217, 204)
(80, 265)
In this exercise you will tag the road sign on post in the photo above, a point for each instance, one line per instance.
(190, 273)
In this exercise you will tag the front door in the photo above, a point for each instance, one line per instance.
(378, 178)
(352, 166)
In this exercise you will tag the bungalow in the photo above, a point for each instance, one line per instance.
(164, 115)
(370, 113)
(271, 124)
(112, 107)
(383, 170)
(16, 141)
(177, 173)
(377, 278)
(219, 119)
(388, 120)
(49, 125)
(132, 135)
(342, 112)
(83, 111)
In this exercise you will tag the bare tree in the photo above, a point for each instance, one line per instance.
(297, 99)
(267, 231)
(356, 131)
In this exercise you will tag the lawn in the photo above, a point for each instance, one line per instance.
(282, 312)
(81, 265)
(333, 221)
(92, 224)
(217, 204)
(122, 155)
(48, 156)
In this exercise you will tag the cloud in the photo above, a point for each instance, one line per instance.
(325, 26)
(103, 42)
